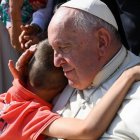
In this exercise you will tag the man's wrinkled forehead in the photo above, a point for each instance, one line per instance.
(62, 18)
(64, 13)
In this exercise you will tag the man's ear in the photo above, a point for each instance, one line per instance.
(104, 40)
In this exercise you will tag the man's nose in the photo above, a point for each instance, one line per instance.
(58, 59)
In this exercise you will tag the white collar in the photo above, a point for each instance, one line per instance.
(110, 67)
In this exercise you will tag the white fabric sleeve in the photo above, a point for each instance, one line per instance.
(130, 112)
(43, 16)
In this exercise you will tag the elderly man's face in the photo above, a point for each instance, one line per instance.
(75, 51)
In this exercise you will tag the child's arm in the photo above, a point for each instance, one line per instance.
(100, 116)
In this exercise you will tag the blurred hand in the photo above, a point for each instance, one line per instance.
(28, 36)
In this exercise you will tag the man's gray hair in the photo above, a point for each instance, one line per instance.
(85, 21)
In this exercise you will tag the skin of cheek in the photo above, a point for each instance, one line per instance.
(84, 62)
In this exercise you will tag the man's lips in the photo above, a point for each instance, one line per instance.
(68, 72)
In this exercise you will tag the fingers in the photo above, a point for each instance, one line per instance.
(28, 41)
(27, 28)
(18, 72)
(133, 72)
(24, 58)
(21, 39)
(25, 40)
(32, 40)
(27, 36)
(13, 70)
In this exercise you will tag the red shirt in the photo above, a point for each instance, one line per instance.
(23, 115)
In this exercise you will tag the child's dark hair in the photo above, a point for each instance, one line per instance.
(42, 73)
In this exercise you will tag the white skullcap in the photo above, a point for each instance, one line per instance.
(94, 7)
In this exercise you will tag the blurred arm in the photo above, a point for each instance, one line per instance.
(16, 21)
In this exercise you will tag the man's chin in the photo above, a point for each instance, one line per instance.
(72, 84)
(75, 85)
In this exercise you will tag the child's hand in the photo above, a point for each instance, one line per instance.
(133, 73)
(20, 71)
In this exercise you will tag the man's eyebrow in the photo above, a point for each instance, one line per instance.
(64, 43)
(67, 43)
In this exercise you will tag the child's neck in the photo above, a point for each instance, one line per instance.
(46, 95)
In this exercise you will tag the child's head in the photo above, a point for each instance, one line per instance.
(43, 75)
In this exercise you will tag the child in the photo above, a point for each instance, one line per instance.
(26, 111)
